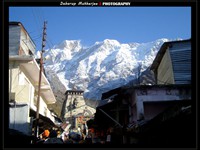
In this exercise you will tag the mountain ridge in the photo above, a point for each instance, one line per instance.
(97, 68)
(109, 60)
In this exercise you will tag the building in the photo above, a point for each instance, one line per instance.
(172, 64)
(23, 84)
(20, 43)
(128, 108)
(75, 110)
(155, 115)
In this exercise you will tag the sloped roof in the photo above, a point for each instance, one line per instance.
(162, 51)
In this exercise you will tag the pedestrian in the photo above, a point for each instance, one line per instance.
(108, 137)
(75, 137)
(45, 134)
(53, 138)
(64, 135)
(79, 131)
(66, 139)
(40, 140)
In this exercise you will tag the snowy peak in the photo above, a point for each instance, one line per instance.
(101, 67)
(68, 44)
(111, 42)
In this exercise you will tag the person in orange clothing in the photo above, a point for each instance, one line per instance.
(45, 134)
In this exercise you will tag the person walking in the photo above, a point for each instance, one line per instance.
(53, 138)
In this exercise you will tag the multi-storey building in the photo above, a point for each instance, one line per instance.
(23, 84)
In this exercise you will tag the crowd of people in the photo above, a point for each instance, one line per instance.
(72, 137)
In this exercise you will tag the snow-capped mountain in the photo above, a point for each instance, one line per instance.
(99, 68)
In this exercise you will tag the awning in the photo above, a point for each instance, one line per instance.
(31, 70)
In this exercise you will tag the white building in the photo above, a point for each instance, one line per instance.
(23, 82)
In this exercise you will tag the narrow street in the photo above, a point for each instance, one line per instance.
(123, 90)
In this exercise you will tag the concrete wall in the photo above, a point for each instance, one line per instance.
(19, 118)
(22, 91)
(149, 102)
(20, 86)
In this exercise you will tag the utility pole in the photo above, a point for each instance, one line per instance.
(139, 72)
(39, 84)
(71, 107)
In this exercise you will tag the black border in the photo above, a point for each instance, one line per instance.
(7, 3)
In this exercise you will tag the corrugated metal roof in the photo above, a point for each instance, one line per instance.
(181, 61)
(180, 52)
(162, 51)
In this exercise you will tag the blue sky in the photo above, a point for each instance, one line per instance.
(91, 24)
